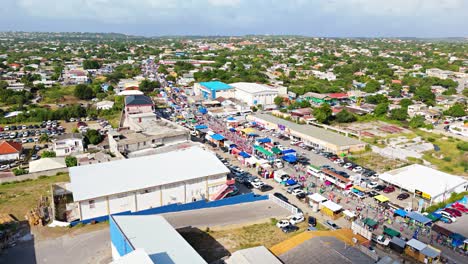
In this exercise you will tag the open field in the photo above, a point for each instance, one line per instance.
(57, 95)
(376, 162)
(18, 198)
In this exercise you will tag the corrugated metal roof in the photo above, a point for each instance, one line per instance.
(102, 179)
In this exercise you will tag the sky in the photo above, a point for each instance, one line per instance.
(324, 18)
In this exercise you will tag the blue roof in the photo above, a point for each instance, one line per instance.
(199, 127)
(291, 182)
(289, 151)
(401, 212)
(264, 140)
(217, 137)
(244, 155)
(216, 86)
(290, 158)
(419, 217)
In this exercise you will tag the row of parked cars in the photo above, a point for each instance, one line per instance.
(450, 214)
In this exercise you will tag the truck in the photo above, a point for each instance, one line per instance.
(381, 240)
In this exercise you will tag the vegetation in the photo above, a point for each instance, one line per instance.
(453, 198)
(93, 137)
(48, 154)
(84, 92)
(71, 161)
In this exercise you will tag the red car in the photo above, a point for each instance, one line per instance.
(460, 207)
(453, 212)
(389, 189)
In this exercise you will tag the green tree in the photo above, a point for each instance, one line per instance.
(44, 138)
(93, 137)
(417, 121)
(91, 64)
(372, 86)
(345, 117)
(292, 74)
(381, 109)
(71, 161)
(278, 101)
(83, 91)
(400, 114)
(456, 110)
(149, 86)
(405, 102)
(48, 154)
(323, 113)
(425, 95)
(465, 92)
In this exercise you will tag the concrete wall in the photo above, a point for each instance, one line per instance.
(13, 156)
(33, 176)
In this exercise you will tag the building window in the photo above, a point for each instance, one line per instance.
(91, 204)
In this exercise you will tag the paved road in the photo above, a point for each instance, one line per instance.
(93, 247)
(227, 215)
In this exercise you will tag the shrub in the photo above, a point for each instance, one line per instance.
(430, 139)
(463, 146)
(448, 159)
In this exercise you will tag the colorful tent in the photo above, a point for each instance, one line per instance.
(381, 198)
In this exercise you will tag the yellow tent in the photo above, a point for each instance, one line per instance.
(248, 130)
(381, 198)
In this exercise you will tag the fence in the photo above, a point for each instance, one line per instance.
(32, 176)
(244, 198)
(369, 252)
(285, 205)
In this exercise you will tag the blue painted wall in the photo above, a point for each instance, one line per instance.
(243, 198)
(118, 239)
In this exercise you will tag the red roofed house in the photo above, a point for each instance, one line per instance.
(396, 81)
(338, 96)
(10, 150)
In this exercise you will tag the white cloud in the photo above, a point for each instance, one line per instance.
(230, 3)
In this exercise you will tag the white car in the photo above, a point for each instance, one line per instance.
(338, 161)
(257, 184)
(279, 164)
(282, 223)
(372, 185)
(295, 219)
(347, 165)
(448, 216)
(5, 167)
(297, 192)
(357, 169)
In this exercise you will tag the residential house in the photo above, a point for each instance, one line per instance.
(10, 150)
(104, 105)
(68, 144)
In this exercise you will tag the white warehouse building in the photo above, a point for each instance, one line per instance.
(137, 184)
(257, 94)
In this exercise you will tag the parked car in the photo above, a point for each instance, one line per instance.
(282, 223)
(312, 221)
(380, 187)
(4, 167)
(453, 212)
(389, 189)
(448, 216)
(280, 196)
(332, 225)
(460, 207)
(295, 219)
(372, 193)
(403, 196)
(372, 185)
(257, 184)
(290, 229)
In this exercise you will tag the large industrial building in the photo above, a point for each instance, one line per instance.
(212, 90)
(137, 184)
(311, 135)
(256, 94)
(149, 239)
(431, 185)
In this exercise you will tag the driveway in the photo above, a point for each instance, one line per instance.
(92, 247)
(227, 215)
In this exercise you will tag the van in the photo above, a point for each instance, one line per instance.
(293, 187)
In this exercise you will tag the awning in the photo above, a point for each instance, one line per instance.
(398, 241)
(430, 252)
(288, 151)
(418, 217)
(263, 140)
(244, 155)
(401, 212)
(291, 182)
(290, 158)
(332, 206)
(359, 188)
(391, 232)
(248, 130)
(381, 198)
(434, 217)
(198, 127)
(232, 129)
(317, 198)
(370, 222)
(217, 137)
(264, 151)
(348, 213)
(276, 150)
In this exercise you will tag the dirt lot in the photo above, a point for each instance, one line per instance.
(19, 198)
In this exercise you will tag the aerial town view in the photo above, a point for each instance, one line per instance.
(233, 131)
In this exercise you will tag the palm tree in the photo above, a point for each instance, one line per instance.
(44, 138)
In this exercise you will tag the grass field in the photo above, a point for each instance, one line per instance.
(376, 162)
(18, 198)
(60, 94)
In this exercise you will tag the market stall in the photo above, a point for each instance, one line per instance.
(315, 200)
(381, 199)
(349, 215)
(370, 223)
(331, 209)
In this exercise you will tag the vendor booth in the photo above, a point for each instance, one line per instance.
(349, 215)
(315, 200)
(422, 252)
(331, 209)
(419, 218)
(381, 199)
(371, 224)
(261, 152)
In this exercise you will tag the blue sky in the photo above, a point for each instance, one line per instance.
(340, 18)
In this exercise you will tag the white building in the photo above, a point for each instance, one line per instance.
(10, 150)
(146, 182)
(255, 94)
(68, 144)
(104, 105)
(441, 74)
(430, 184)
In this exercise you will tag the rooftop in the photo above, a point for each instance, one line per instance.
(138, 100)
(216, 86)
(158, 238)
(255, 255)
(253, 87)
(91, 181)
(9, 147)
(422, 178)
(313, 131)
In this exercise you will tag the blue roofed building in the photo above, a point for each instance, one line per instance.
(214, 89)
